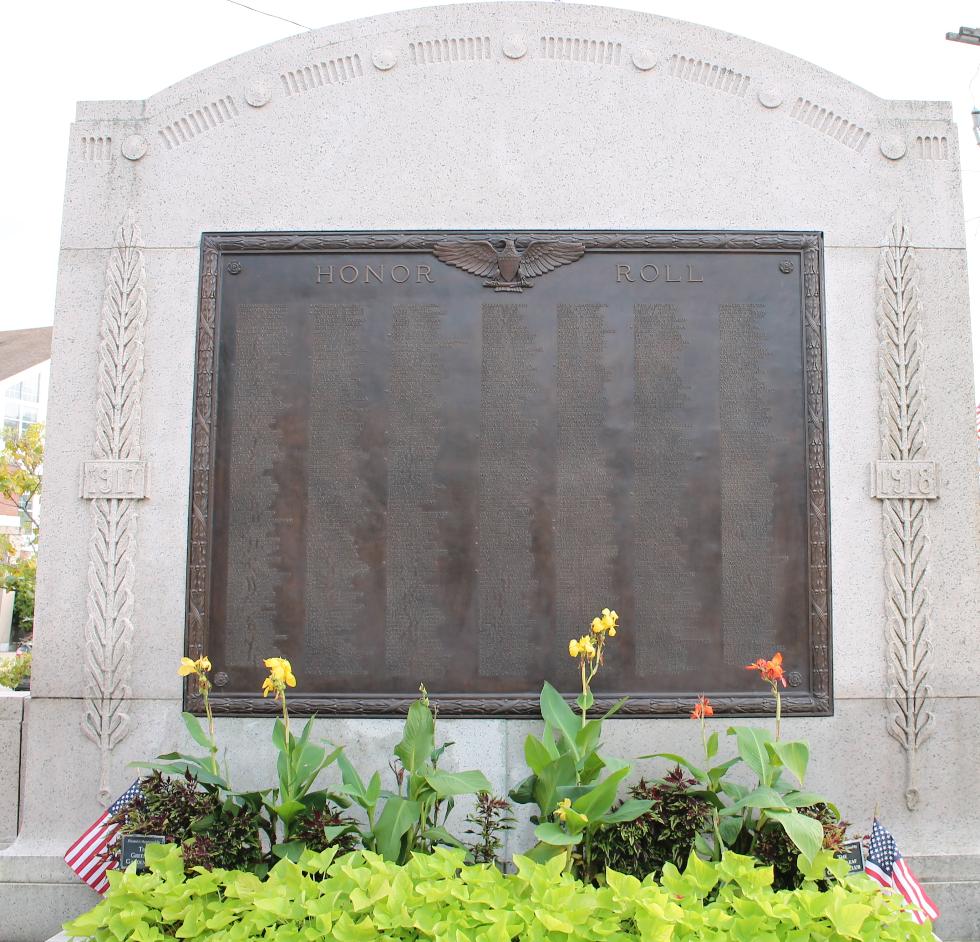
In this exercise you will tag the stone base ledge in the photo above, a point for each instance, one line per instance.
(958, 903)
(34, 912)
(24, 862)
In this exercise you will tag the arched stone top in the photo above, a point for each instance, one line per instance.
(534, 76)
(624, 41)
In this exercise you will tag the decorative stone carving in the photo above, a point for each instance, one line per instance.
(917, 480)
(893, 146)
(514, 46)
(258, 92)
(384, 59)
(113, 479)
(134, 147)
(644, 59)
(905, 518)
(771, 96)
(112, 548)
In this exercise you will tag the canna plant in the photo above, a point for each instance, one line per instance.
(572, 784)
(741, 813)
(204, 768)
(413, 818)
(279, 810)
(298, 764)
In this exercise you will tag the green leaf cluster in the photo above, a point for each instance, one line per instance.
(568, 770)
(19, 575)
(203, 768)
(299, 762)
(398, 823)
(664, 834)
(14, 670)
(362, 897)
(743, 812)
(21, 457)
(212, 830)
(279, 811)
(413, 818)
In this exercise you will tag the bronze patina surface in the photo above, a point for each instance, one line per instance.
(432, 457)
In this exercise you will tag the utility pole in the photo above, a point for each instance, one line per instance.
(970, 36)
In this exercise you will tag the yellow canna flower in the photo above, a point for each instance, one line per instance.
(281, 671)
(573, 648)
(280, 677)
(199, 669)
(598, 626)
(609, 618)
(201, 666)
(587, 646)
(564, 806)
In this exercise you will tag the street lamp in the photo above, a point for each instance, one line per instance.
(965, 35)
(971, 37)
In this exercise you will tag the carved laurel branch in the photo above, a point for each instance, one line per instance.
(109, 628)
(906, 542)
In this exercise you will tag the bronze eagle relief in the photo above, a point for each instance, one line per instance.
(508, 268)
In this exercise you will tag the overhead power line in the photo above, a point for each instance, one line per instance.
(275, 16)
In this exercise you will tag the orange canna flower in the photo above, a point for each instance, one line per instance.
(702, 708)
(771, 671)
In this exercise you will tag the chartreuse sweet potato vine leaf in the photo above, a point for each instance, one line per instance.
(362, 897)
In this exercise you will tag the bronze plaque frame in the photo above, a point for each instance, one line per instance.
(804, 249)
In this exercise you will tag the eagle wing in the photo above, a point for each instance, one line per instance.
(541, 257)
(478, 258)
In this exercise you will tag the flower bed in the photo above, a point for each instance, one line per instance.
(361, 897)
(357, 860)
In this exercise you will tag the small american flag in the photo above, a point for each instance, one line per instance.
(885, 864)
(87, 856)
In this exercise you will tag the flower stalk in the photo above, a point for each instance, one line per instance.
(280, 677)
(200, 669)
(772, 673)
(589, 651)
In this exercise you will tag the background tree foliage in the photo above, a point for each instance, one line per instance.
(20, 470)
(20, 482)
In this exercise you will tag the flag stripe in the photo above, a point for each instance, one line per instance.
(91, 867)
(876, 874)
(82, 844)
(885, 864)
(905, 878)
(91, 835)
(87, 856)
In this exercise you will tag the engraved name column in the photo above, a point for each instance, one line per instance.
(746, 488)
(585, 542)
(335, 573)
(507, 471)
(414, 548)
(115, 481)
(668, 603)
(253, 580)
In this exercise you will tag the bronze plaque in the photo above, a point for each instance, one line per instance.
(433, 457)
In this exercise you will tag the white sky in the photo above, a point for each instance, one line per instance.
(56, 53)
